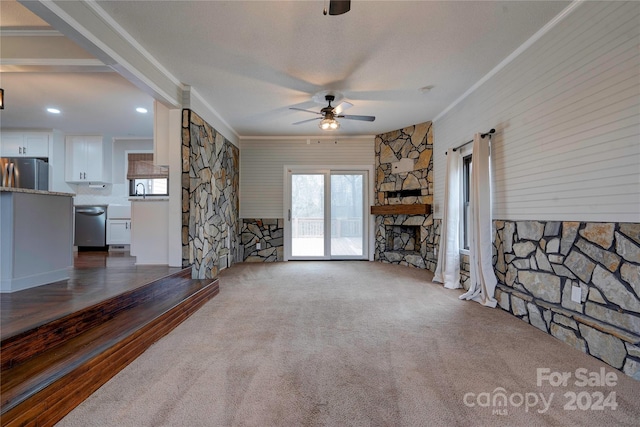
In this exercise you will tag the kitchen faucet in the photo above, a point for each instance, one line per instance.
(144, 190)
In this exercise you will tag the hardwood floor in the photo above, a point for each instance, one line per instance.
(61, 342)
(96, 276)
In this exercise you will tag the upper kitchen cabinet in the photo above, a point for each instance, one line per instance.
(25, 144)
(84, 161)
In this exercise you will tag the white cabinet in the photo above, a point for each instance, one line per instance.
(36, 145)
(11, 145)
(36, 239)
(118, 232)
(150, 238)
(118, 224)
(24, 144)
(84, 159)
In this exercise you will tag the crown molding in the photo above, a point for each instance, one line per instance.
(192, 100)
(132, 41)
(53, 65)
(187, 91)
(526, 45)
(307, 138)
(55, 62)
(85, 22)
(30, 32)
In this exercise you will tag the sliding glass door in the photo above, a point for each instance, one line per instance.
(326, 215)
(308, 215)
(347, 214)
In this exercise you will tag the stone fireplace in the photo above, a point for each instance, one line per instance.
(403, 238)
(404, 194)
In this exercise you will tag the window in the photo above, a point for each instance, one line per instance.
(466, 208)
(152, 187)
(145, 177)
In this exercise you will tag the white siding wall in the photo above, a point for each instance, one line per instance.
(262, 167)
(567, 115)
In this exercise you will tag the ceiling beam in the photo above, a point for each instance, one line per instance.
(93, 29)
(86, 23)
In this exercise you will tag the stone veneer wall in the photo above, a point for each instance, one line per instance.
(210, 186)
(413, 142)
(537, 263)
(269, 233)
(432, 242)
(416, 143)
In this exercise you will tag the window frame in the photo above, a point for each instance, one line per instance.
(466, 163)
(131, 183)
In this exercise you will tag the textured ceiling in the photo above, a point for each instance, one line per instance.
(253, 60)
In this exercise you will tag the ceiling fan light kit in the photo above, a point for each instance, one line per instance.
(329, 124)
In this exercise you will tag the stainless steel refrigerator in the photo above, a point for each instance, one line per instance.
(24, 173)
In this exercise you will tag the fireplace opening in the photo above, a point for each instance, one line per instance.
(405, 238)
(403, 193)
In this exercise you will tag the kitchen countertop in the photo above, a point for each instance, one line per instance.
(30, 191)
(149, 199)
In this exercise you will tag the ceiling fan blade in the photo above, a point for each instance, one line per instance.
(305, 121)
(343, 106)
(338, 7)
(363, 118)
(302, 109)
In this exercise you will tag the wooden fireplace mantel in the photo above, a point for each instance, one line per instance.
(413, 209)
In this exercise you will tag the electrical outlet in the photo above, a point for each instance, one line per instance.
(576, 293)
(258, 245)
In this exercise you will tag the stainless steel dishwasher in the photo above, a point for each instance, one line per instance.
(91, 226)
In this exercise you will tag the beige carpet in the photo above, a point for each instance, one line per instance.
(351, 344)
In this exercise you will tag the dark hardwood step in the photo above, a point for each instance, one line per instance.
(28, 343)
(42, 389)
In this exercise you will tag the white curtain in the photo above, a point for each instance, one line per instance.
(448, 268)
(483, 279)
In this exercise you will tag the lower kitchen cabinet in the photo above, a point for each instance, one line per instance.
(118, 232)
(149, 238)
(36, 238)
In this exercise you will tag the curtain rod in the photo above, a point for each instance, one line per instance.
(482, 135)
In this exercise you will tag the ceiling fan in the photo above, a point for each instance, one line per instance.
(329, 114)
(338, 7)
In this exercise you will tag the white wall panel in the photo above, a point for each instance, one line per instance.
(567, 115)
(262, 167)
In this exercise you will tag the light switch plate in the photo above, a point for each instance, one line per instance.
(258, 245)
(576, 293)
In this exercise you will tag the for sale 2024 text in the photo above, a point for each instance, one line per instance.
(582, 377)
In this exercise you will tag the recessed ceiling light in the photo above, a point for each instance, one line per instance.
(141, 110)
(53, 110)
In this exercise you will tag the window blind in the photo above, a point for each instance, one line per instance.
(141, 166)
